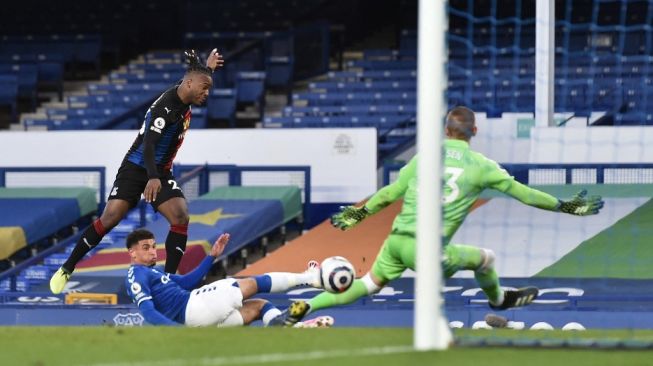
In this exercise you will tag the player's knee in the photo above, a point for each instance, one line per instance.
(180, 218)
(371, 286)
(110, 219)
(251, 310)
(184, 218)
(488, 260)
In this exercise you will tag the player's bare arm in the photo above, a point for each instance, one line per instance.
(214, 60)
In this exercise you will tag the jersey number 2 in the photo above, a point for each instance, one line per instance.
(174, 184)
(454, 174)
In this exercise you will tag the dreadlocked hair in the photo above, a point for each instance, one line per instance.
(195, 64)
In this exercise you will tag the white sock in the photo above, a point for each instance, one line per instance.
(499, 301)
(282, 281)
(269, 315)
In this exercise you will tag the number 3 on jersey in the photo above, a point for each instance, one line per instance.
(452, 182)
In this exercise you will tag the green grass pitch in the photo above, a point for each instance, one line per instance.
(152, 346)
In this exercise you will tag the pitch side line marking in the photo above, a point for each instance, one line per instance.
(269, 357)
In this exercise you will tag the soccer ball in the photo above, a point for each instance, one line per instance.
(337, 274)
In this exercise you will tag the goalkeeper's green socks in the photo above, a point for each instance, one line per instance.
(327, 299)
(488, 280)
(460, 256)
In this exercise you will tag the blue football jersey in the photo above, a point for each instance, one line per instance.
(149, 284)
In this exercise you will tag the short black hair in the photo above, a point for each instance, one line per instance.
(137, 235)
(461, 122)
(195, 64)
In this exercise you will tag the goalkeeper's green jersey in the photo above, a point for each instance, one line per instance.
(466, 174)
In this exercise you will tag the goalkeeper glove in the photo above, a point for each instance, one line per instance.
(580, 205)
(349, 216)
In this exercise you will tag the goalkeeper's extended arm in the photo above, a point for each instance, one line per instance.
(350, 216)
(579, 205)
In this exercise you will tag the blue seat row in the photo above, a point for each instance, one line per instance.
(377, 86)
(76, 48)
(333, 99)
(379, 121)
(383, 65)
(395, 109)
(386, 74)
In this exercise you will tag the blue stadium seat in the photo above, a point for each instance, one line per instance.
(308, 121)
(284, 122)
(51, 71)
(35, 123)
(136, 76)
(379, 86)
(383, 65)
(37, 274)
(27, 79)
(91, 101)
(380, 54)
(279, 71)
(633, 119)
(250, 86)
(87, 50)
(388, 75)
(341, 98)
(9, 92)
(198, 119)
(222, 105)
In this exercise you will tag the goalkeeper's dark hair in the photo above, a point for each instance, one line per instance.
(137, 235)
(461, 123)
(195, 64)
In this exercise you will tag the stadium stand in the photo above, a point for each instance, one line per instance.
(601, 59)
(260, 202)
(378, 90)
(33, 214)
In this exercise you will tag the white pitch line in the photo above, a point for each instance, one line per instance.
(269, 357)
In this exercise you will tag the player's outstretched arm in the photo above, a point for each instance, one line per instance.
(192, 278)
(581, 204)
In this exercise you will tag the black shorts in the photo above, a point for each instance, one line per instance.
(131, 181)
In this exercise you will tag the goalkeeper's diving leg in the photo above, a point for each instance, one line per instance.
(367, 285)
(481, 261)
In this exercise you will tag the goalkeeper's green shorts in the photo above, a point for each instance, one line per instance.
(398, 253)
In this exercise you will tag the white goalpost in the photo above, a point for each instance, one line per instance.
(431, 329)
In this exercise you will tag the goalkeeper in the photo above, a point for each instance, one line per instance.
(467, 174)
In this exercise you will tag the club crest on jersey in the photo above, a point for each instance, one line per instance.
(158, 125)
(136, 288)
